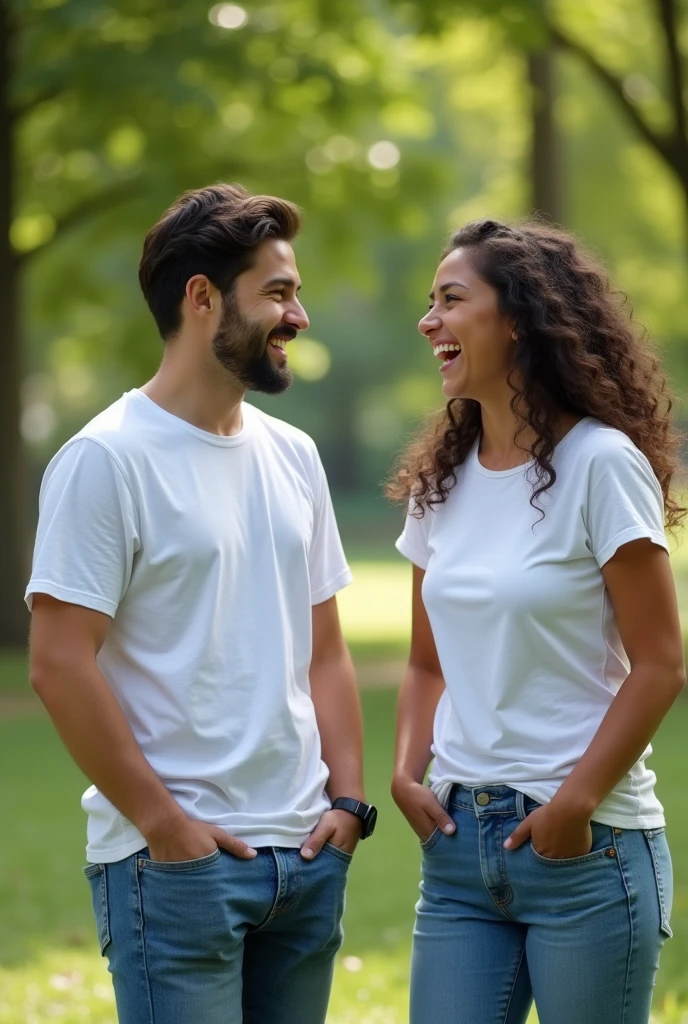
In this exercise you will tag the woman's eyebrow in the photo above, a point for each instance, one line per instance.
(450, 284)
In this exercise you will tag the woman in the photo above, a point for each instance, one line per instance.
(546, 646)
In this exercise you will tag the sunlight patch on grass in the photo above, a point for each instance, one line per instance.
(377, 605)
(62, 984)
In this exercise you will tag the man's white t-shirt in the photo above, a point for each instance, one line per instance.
(524, 629)
(208, 553)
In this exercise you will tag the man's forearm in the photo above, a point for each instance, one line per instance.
(97, 735)
(338, 712)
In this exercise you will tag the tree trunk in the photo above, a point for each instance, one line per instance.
(341, 453)
(13, 529)
(546, 166)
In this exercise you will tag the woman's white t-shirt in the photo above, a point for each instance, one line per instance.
(524, 629)
(208, 553)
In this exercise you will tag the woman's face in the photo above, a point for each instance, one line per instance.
(469, 335)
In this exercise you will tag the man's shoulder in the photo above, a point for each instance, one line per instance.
(286, 435)
(113, 421)
(111, 436)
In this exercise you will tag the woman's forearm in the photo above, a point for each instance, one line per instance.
(419, 695)
(625, 731)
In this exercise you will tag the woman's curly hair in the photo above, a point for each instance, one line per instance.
(578, 351)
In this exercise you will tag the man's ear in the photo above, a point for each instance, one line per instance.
(201, 295)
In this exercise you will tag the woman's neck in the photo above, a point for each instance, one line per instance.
(506, 441)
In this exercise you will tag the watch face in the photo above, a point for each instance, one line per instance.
(370, 821)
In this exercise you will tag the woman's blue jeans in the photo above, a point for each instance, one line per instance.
(496, 928)
(221, 940)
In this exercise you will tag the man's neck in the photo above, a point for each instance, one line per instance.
(204, 396)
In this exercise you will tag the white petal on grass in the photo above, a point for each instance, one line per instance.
(229, 16)
(383, 155)
(61, 982)
(354, 964)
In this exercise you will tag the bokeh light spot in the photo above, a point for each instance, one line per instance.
(383, 155)
(229, 16)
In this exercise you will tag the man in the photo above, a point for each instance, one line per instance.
(185, 641)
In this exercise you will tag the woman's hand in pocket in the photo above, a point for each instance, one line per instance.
(555, 835)
(420, 807)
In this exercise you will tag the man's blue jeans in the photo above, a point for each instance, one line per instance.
(221, 940)
(497, 927)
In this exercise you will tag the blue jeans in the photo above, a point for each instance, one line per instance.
(496, 928)
(221, 940)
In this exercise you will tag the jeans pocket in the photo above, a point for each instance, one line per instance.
(661, 865)
(602, 846)
(179, 866)
(343, 855)
(432, 840)
(97, 879)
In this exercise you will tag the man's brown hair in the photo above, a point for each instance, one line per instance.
(213, 231)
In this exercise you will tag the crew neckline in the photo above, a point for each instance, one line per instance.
(218, 440)
(525, 466)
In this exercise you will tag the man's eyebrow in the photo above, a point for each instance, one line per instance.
(287, 282)
(448, 285)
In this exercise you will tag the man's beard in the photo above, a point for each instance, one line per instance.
(241, 347)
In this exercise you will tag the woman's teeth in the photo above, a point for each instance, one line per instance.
(444, 350)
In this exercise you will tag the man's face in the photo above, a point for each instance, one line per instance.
(259, 318)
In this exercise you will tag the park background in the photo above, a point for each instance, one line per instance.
(390, 122)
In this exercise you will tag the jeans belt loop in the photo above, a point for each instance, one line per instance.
(520, 805)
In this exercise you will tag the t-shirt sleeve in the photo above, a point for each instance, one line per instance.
(624, 502)
(327, 565)
(413, 542)
(87, 530)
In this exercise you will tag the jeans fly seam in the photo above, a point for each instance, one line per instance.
(298, 887)
(142, 940)
(501, 905)
(629, 898)
(273, 911)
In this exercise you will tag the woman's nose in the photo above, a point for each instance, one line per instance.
(430, 322)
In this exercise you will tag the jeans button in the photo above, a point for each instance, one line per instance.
(483, 799)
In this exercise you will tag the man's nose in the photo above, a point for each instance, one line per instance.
(297, 317)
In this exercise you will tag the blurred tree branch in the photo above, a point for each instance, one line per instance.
(21, 110)
(675, 73)
(662, 144)
(91, 207)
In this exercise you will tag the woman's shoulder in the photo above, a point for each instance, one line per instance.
(593, 442)
(606, 462)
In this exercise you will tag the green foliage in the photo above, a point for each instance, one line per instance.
(124, 108)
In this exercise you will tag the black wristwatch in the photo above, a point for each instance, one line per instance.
(366, 812)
